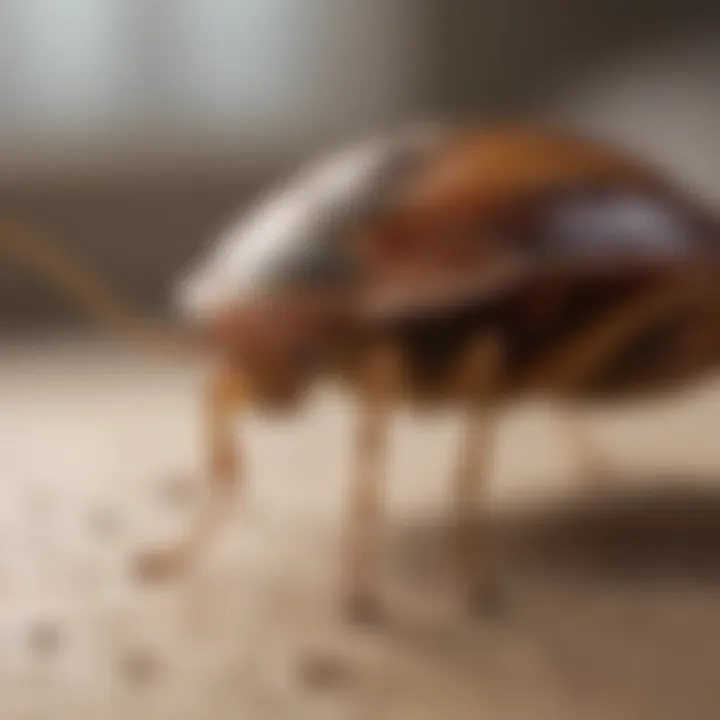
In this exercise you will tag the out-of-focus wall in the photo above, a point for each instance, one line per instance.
(134, 130)
(663, 101)
(183, 144)
(98, 84)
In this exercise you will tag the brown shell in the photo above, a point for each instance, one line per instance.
(483, 187)
(460, 255)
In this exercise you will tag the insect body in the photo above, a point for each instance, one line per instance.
(499, 263)
(469, 267)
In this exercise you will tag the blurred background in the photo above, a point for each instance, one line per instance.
(132, 130)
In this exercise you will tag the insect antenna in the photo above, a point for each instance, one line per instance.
(33, 249)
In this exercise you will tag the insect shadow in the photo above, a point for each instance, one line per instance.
(640, 529)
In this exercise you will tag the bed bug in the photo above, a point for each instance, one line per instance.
(461, 266)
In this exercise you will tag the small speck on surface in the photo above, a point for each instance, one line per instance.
(324, 671)
(176, 491)
(104, 523)
(45, 638)
(140, 667)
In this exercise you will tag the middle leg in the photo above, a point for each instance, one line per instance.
(477, 380)
(379, 380)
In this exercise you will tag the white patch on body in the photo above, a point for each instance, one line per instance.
(299, 228)
(624, 223)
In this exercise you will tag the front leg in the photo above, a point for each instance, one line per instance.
(378, 380)
(224, 394)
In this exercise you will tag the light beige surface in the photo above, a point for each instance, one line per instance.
(608, 613)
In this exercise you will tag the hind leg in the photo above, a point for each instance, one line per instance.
(224, 394)
(577, 362)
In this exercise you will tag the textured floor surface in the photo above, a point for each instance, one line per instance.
(607, 610)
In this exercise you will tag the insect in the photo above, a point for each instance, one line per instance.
(461, 266)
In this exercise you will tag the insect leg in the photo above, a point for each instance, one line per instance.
(223, 395)
(477, 376)
(574, 364)
(379, 378)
